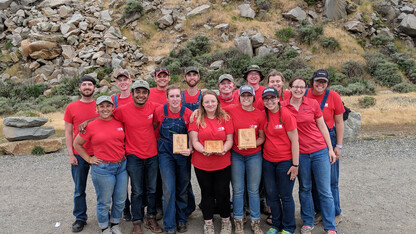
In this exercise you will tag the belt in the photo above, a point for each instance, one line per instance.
(113, 162)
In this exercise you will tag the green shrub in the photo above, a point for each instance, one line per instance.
(265, 62)
(366, 102)
(380, 40)
(6, 108)
(352, 69)
(8, 46)
(289, 53)
(387, 74)
(405, 61)
(103, 72)
(309, 33)
(284, 34)
(211, 79)
(132, 7)
(38, 150)
(68, 87)
(356, 88)
(338, 78)
(373, 60)
(199, 45)
(53, 103)
(389, 49)
(330, 43)
(306, 73)
(310, 2)
(152, 82)
(341, 90)
(263, 4)
(412, 76)
(402, 88)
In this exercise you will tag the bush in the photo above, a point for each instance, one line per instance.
(199, 45)
(306, 73)
(284, 34)
(6, 108)
(265, 62)
(263, 4)
(103, 72)
(380, 40)
(132, 7)
(211, 79)
(405, 61)
(68, 87)
(387, 74)
(341, 90)
(152, 82)
(402, 88)
(330, 43)
(366, 102)
(373, 60)
(352, 69)
(38, 150)
(309, 33)
(53, 103)
(356, 88)
(389, 49)
(310, 2)
(8, 46)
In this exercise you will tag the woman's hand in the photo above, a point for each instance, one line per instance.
(95, 160)
(206, 153)
(186, 152)
(337, 152)
(332, 157)
(293, 172)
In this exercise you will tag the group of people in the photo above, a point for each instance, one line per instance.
(294, 133)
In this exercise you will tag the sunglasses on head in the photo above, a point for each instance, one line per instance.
(161, 69)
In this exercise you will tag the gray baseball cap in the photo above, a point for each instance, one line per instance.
(102, 99)
(140, 84)
(246, 89)
(191, 69)
(225, 77)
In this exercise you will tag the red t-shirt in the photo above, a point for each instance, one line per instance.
(106, 138)
(122, 101)
(233, 101)
(191, 99)
(214, 130)
(157, 97)
(76, 113)
(160, 115)
(310, 138)
(333, 106)
(277, 146)
(138, 126)
(246, 119)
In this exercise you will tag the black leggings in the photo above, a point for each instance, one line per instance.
(215, 186)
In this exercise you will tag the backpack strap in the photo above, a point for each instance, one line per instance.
(306, 92)
(165, 110)
(115, 101)
(324, 99)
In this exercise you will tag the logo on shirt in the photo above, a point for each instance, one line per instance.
(150, 116)
(221, 129)
(326, 104)
(253, 126)
(120, 129)
(279, 126)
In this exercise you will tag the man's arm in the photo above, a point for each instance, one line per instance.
(69, 132)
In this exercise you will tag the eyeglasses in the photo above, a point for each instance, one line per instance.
(161, 69)
(298, 87)
(269, 99)
(320, 81)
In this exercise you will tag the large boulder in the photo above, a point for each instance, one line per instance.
(352, 126)
(26, 147)
(165, 21)
(40, 49)
(335, 9)
(354, 26)
(24, 122)
(246, 11)
(198, 10)
(244, 45)
(296, 14)
(408, 25)
(257, 40)
(34, 133)
(4, 4)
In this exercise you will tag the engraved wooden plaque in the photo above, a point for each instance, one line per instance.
(180, 142)
(213, 146)
(247, 138)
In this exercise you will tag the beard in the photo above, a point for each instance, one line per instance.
(86, 94)
(193, 84)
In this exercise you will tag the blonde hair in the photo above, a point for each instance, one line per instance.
(201, 113)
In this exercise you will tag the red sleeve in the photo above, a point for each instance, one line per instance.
(262, 122)
(192, 126)
(229, 127)
(288, 119)
(316, 108)
(117, 113)
(68, 115)
(339, 107)
(157, 116)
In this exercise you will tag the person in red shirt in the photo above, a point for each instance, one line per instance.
(333, 110)
(281, 162)
(254, 76)
(108, 165)
(276, 80)
(142, 160)
(191, 95)
(315, 158)
(226, 87)
(75, 114)
(212, 170)
(175, 168)
(246, 161)
(158, 94)
(123, 82)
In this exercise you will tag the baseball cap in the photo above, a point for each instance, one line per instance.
(123, 72)
(140, 84)
(269, 91)
(102, 99)
(191, 69)
(225, 77)
(246, 89)
(321, 74)
(253, 68)
(86, 78)
(160, 70)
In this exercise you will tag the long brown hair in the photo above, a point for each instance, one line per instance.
(201, 113)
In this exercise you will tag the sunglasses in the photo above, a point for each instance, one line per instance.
(161, 69)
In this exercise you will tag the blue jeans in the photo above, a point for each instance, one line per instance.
(110, 182)
(334, 181)
(176, 178)
(240, 164)
(279, 190)
(317, 165)
(80, 176)
(143, 177)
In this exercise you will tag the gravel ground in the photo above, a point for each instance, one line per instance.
(378, 192)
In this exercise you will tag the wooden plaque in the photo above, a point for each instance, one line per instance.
(213, 146)
(247, 138)
(180, 142)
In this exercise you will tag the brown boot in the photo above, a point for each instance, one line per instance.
(137, 227)
(152, 224)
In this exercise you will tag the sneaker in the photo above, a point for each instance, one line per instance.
(116, 229)
(318, 218)
(255, 227)
(331, 232)
(338, 219)
(181, 227)
(306, 230)
(78, 225)
(272, 231)
(239, 226)
(286, 232)
(209, 228)
(226, 226)
(106, 231)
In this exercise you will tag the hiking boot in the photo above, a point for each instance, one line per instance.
(106, 231)
(239, 226)
(338, 219)
(209, 228)
(182, 227)
(318, 218)
(78, 225)
(306, 230)
(137, 227)
(226, 226)
(255, 227)
(152, 224)
(116, 229)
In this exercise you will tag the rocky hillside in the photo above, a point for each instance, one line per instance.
(48, 42)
